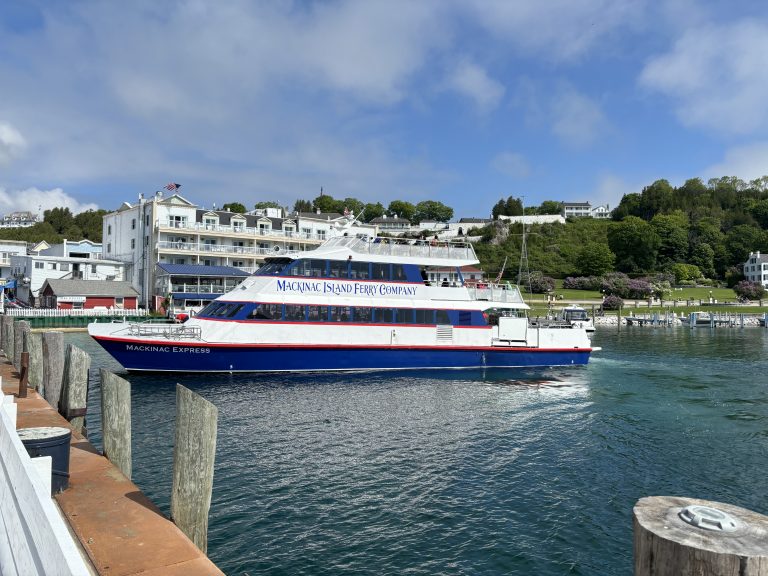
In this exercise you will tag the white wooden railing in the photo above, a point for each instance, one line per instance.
(63, 313)
(33, 536)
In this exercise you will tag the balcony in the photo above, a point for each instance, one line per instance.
(204, 288)
(200, 228)
(223, 249)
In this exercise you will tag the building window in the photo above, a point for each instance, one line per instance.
(133, 224)
(51, 265)
(119, 301)
(93, 268)
(146, 221)
(109, 229)
(321, 234)
(133, 243)
(64, 267)
(39, 265)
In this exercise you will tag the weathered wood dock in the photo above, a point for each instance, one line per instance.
(117, 529)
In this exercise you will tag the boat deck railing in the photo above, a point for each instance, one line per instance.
(496, 293)
(403, 247)
(170, 331)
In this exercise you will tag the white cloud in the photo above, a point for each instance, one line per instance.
(472, 81)
(747, 162)
(512, 164)
(34, 200)
(12, 143)
(716, 76)
(557, 29)
(576, 119)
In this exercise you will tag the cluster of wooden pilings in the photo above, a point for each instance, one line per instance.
(60, 375)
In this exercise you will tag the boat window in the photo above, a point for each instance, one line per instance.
(398, 273)
(465, 318)
(273, 267)
(338, 269)
(382, 315)
(403, 316)
(317, 313)
(267, 312)
(294, 313)
(442, 317)
(341, 313)
(359, 270)
(233, 312)
(425, 316)
(380, 271)
(309, 268)
(362, 315)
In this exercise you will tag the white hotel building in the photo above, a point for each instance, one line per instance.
(756, 268)
(173, 230)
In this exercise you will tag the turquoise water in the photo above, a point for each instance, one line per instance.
(513, 472)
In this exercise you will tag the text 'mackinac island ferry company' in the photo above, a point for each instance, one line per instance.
(351, 304)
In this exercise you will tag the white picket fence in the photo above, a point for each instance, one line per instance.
(56, 313)
(33, 536)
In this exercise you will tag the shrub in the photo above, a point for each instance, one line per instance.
(541, 284)
(749, 290)
(612, 303)
(582, 283)
(615, 283)
(638, 288)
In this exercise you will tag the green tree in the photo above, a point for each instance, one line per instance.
(326, 203)
(550, 207)
(513, 207)
(33, 234)
(759, 211)
(237, 207)
(672, 230)
(432, 210)
(59, 218)
(635, 244)
(595, 259)
(90, 223)
(628, 206)
(354, 205)
(703, 257)
(740, 241)
(402, 209)
(371, 211)
(499, 209)
(302, 206)
(656, 198)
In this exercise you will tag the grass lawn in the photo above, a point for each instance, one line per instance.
(685, 293)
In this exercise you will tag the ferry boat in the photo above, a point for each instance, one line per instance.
(354, 303)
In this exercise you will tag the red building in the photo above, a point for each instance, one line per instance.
(85, 294)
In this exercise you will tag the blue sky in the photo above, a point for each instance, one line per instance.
(462, 101)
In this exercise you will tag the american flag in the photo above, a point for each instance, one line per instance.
(172, 186)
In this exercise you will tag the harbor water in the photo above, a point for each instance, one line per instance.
(459, 472)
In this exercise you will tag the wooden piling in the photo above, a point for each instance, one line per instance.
(5, 330)
(35, 349)
(721, 539)
(24, 374)
(194, 452)
(11, 338)
(53, 366)
(74, 393)
(116, 420)
(20, 329)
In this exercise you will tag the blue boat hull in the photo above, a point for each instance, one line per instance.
(174, 357)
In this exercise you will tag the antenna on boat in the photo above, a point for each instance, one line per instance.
(524, 255)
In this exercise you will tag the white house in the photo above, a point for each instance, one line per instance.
(32, 270)
(10, 248)
(585, 210)
(19, 220)
(756, 268)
